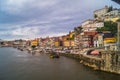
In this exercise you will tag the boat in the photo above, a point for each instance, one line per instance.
(54, 55)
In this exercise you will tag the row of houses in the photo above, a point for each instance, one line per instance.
(89, 37)
(84, 35)
(60, 41)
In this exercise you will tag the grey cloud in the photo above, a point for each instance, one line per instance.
(45, 17)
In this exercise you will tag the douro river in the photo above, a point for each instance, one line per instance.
(20, 65)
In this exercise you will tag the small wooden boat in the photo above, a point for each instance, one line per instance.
(54, 55)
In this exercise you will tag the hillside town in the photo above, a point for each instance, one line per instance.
(95, 32)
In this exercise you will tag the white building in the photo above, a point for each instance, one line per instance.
(113, 15)
(115, 12)
(98, 14)
(89, 31)
(91, 25)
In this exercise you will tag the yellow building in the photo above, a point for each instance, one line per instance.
(66, 43)
(34, 43)
(71, 35)
(57, 44)
(72, 43)
(112, 19)
(109, 40)
(69, 43)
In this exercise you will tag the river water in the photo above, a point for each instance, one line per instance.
(20, 65)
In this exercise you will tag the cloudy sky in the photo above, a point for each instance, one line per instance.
(40, 18)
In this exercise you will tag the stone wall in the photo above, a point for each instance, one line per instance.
(90, 61)
(109, 61)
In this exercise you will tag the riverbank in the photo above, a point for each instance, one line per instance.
(108, 61)
(93, 62)
(20, 65)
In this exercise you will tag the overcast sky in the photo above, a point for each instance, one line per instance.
(40, 18)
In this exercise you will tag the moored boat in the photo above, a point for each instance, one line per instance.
(54, 55)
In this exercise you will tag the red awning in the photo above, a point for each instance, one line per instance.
(95, 52)
(90, 33)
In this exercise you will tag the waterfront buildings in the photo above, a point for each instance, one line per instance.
(85, 35)
(34, 43)
(88, 36)
(19, 42)
(89, 31)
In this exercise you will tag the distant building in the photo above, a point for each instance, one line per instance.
(89, 31)
(107, 14)
(78, 41)
(91, 25)
(114, 12)
(56, 42)
(66, 41)
(98, 14)
(19, 42)
(34, 43)
(113, 15)
(105, 39)
(86, 25)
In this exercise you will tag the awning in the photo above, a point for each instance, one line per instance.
(95, 52)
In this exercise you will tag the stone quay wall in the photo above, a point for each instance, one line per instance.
(109, 61)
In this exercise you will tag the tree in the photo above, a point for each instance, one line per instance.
(95, 16)
(78, 30)
(109, 26)
(110, 9)
(72, 38)
(33, 46)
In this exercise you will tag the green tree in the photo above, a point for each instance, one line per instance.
(33, 46)
(78, 30)
(109, 26)
(110, 9)
(72, 38)
(95, 16)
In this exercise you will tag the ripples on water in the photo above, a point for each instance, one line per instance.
(20, 65)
